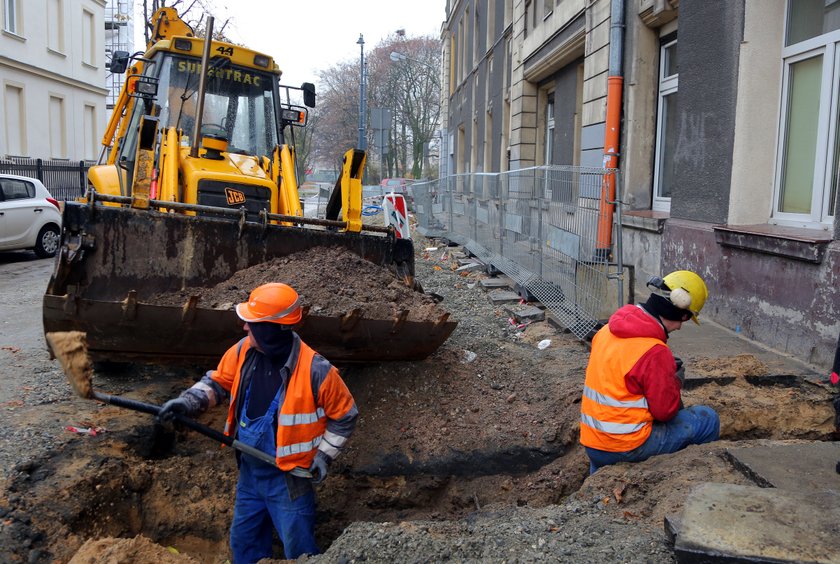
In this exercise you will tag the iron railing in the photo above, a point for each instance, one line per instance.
(540, 227)
(66, 180)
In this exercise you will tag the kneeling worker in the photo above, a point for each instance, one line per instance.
(631, 407)
(289, 402)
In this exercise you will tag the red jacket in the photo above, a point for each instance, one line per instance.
(654, 374)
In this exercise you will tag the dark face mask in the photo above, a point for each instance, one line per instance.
(275, 340)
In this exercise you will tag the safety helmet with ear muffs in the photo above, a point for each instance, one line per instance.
(687, 291)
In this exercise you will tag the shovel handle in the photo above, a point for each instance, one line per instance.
(186, 422)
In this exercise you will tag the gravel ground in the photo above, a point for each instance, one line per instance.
(407, 489)
(576, 531)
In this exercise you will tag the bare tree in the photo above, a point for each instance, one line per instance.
(193, 13)
(409, 87)
(417, 92)
(338, 102)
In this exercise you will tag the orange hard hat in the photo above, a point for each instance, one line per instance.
(273, 303)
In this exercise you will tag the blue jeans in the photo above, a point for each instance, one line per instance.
(262, 503)
(691, 426)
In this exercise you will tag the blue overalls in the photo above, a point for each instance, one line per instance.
(262, 498)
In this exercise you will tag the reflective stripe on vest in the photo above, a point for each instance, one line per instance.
(301, 418)
(613, 428)
(298, 448)
(612, 402)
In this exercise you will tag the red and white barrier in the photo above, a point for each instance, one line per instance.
(396, 214)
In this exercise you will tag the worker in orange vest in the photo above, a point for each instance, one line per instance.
(631, 407)
(287, 401)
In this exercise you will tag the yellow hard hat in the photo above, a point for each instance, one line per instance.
(687, 291)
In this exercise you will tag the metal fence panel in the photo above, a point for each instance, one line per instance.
(539, 226)
(66, 180)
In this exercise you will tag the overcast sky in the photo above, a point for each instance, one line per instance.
(304, 37)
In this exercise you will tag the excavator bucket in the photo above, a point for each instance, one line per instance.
(114, 261)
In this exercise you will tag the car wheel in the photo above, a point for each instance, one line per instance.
(47, 243)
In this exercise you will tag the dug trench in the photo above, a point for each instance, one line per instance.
(451, 437)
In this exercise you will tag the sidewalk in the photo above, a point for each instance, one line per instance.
(710, 340)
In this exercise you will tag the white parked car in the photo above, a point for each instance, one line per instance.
(30, 218)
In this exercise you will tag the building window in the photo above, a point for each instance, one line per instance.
(478, 47)
(528, 10)
(90, 132)
(666, 125)
(58, 128)
(10, 15)
(491, 25)
(88, 38)
(549, 130)
(55, 25)
(808, 162)
(15, 120)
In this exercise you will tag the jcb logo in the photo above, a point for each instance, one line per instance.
(234, 196)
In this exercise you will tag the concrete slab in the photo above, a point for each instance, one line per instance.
(525, 313)
(492, 283)
(794, 467)
(731, 523)
(499, 297)
(525, 293)
(470, 267)
(466, 261)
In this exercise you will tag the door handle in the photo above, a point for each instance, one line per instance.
(38, 209)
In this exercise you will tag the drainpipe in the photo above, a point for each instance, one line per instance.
(615, 82)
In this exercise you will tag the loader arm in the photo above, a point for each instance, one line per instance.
(347, 194)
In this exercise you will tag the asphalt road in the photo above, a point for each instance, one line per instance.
(23, 280)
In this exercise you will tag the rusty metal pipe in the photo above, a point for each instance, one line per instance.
(232, 212)
(202, 87)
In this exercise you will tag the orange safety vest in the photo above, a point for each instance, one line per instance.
(300, 423)
(611, 418)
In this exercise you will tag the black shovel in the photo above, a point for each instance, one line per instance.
(70, 348)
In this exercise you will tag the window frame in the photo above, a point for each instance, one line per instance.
(550, 127)
(10, 24)
(828, 46)
(667, 85)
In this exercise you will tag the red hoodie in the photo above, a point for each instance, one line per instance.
(654, 375)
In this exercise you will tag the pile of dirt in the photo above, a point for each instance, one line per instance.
(119, 551)
(331, 281)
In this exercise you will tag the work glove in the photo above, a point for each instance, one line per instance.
(680, 370)
(185, 404)
(319, 466)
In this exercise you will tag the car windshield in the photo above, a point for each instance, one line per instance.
(238, 104)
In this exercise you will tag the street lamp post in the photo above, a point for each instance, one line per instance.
(362, 101)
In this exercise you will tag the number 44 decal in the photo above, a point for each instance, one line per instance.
(225, 51)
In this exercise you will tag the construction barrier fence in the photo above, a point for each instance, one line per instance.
(548, 228)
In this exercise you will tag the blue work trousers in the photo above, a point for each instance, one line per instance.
(263, 500)
(691, 426)
(263, 503)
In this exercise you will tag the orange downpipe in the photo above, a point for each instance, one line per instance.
(615, 85)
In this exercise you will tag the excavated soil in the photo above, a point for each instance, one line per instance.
(330, 281)
(468, 455)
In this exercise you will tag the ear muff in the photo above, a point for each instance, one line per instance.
(680, 298)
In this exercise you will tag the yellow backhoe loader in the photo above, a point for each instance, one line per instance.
(197, 181)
